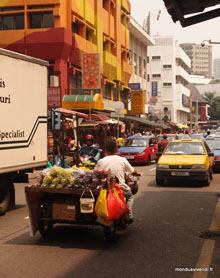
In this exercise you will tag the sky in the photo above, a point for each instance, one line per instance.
(165, 26)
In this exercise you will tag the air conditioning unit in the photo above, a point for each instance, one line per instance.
(54, 81)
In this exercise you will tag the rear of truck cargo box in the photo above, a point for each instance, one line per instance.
(23, 114)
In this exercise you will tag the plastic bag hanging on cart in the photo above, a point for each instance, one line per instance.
(101, 204)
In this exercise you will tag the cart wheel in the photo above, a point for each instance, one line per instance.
(109, 232)
(4, 197)
(4, 203)
(45, 227)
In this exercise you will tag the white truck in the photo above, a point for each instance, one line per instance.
(23, 120)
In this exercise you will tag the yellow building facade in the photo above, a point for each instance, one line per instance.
(60, 31)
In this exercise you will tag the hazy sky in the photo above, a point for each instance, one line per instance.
(165, 26)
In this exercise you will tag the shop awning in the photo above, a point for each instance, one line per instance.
(100, 117)
(182, 126)
(114, 122)
(142, 121)
(171, 124)
(71, 112)
(84, 102)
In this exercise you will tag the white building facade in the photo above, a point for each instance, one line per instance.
(216, 68)
(139, 43)
(168, 77)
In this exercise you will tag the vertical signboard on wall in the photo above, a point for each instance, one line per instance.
(154, 88)
(138, 99)
(91, 71)
(185, 100)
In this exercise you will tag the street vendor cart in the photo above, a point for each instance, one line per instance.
(49, 204)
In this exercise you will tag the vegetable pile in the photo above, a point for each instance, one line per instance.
(57, 177)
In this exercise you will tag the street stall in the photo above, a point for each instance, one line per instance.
(64, 125)
(136, 124)
(101, 127)
(76, 196)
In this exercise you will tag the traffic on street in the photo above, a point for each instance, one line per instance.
(175, 230)
(109, 139)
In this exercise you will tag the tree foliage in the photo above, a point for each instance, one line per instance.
(214, 102)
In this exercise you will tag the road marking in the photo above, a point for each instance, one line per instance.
(208, 246)
(153, 169)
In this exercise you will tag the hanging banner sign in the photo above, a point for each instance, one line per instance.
(154, 88)
(138, 99)
(54, 97)
(185, 100)
(134, 86)
(91, 71)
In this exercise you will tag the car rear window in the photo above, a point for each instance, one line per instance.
(197, 136)
(213, 144)
(188, 148)
(136, 143)
(169, 138)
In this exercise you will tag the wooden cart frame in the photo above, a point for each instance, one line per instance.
(48, 206)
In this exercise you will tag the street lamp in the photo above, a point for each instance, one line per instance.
(209, 41)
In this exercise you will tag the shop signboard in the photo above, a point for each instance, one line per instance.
(185, 100)
(72, 103)
(134, 86)
(154, 88)
(153, 101)
(54, 97)
(138, 99)
(91, 71)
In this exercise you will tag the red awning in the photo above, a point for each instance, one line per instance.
(100, 117)
(71, 112)
(171, 123)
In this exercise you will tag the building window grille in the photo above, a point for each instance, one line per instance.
(156, 75)
(105, 4)
(41, 20)
(40, 7)
(140, 66)
(75, 27)
(167, 66)
(12, 22)
(167, 84)
(107, 91)
(20, 8)
(115, 94)
(135, 63)
(155, 57)
(90, 35)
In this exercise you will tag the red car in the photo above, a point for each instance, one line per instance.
(139, 149)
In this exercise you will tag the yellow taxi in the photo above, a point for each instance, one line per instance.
(186, 159)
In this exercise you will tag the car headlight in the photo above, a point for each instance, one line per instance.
(198, 166)
(162, 166)
(141, 153)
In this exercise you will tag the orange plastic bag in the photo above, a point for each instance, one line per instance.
(121, 196)
(116, 207)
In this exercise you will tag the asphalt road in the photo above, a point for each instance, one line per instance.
(170, 238)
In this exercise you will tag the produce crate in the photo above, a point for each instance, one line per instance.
(64, 212)
(64, 201)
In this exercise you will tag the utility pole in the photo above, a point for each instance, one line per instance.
(190, 113)
(197, 114)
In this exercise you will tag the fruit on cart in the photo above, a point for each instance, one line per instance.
(58, 177)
